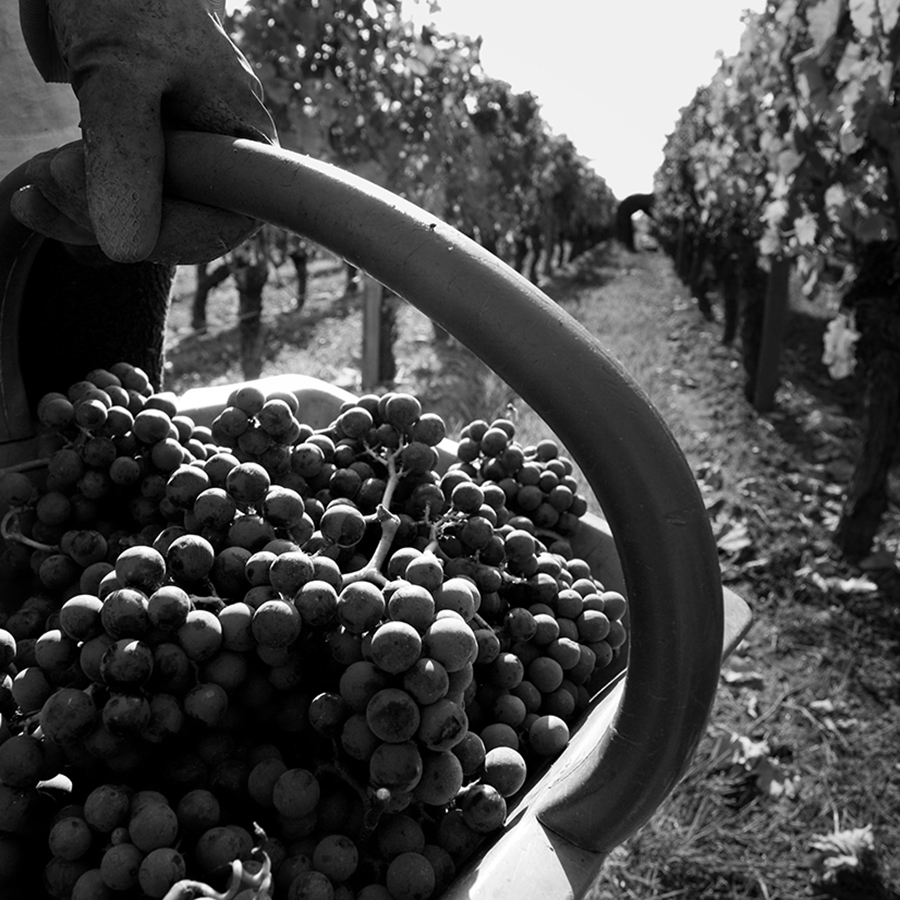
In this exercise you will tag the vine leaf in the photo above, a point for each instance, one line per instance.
(823, 21)
(741, 756)
(863, 14)
(734, 538)
(851, 851)
(811, 81)
(772, 779)
(890, 13)
(835, 584)
(805, 228)
(741, 672)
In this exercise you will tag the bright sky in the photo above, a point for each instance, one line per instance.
(610, 74)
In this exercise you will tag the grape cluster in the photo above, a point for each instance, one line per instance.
(302, 663)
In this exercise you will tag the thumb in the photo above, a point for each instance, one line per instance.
(124, 164)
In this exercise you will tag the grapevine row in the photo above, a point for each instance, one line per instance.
(787, 165)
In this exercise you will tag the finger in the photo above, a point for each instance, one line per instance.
(59, 175)
(66, 187)
(244, 92)
(202, 107)
(33, 210)
(124, 163)
(193, 233)
(223, 99)
(236, 81)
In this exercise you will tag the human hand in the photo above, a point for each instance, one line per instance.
(55, 204)
(137, 68)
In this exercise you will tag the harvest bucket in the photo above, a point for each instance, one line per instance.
(655, 543)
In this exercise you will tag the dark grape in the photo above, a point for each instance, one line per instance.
(505, 770)
(55, 651)
(126, 665)
(126, 714)
(451, 642)
(107, 807)
(198, 811)
(343, 525)
(159, 870)
(22, 762)
(393, 715)
(70, 838)
(425, 570)
(125, 613)
(200, 636)
(235, 621)
(442, 778)
(336, 857)
(311, 885)
(120, 865)
(396, 766)
(206, 703)
(153, 826)
(224, 611)
(296, 792)
(360, 606)
(168, 607)
(190, 558)
(395, 646)
(399, 833)
(483, 808)
(412, 604)
(276, 623)
(67, 715)
(317, 602)
(215, 849)
(410, 876)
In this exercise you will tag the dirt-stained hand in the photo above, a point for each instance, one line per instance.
(137, 67)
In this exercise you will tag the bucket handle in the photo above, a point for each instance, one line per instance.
(604, 419)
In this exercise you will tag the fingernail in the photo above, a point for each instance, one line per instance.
(29, 206)
(32, 209)
(66, 187)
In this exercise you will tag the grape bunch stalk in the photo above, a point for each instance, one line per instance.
(265, 661)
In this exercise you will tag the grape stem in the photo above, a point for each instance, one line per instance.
(259, 883)
(375, 802)
(376, 806)
(436, 530)
(371, 571)
(28, 466)
(188, 889)
(393, 479)
(9, 531)
(337, 770)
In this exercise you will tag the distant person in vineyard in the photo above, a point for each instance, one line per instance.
(136, 67)
(625, 212)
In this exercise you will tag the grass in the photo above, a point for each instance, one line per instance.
(804, 734)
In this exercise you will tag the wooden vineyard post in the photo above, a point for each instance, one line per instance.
(774, 323)
(380, 306)
(371, 333)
